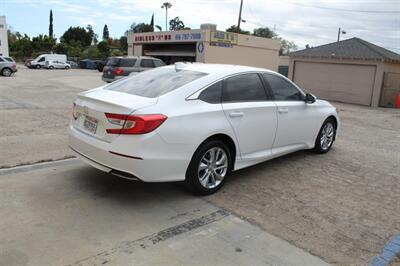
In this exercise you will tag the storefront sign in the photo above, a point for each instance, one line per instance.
(222, 37)
(167, 37)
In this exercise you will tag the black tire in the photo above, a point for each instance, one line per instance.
(192, 175)
(322, 148)
(38, 66)
(51, 67)
(67, 67)
(6, 72)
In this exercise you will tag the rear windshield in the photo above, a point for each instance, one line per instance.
(155, 82)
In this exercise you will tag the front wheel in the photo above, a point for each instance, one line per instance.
(208, 168)
(67, 67)
(6, 72)
(326, 136)
(38, 66)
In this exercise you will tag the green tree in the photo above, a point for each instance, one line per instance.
(61, 48)
(91, 52)
(166, 5)
(51, 34)
(264, 32)
(233, 28)
(142, 27)
(286, 46)
(75, 35)
(104, 48)
(177, 24)
(106, 33)
(22, 47)
(152, 21)
(123, 42)
(93, 35)
(43, 43)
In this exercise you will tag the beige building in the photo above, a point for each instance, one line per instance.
(3, 36)
(206, 45)
(350, 71)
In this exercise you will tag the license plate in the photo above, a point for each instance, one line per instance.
(90, 124)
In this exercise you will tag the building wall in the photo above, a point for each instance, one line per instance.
(378, 79)
(249, 50)
(3, 36)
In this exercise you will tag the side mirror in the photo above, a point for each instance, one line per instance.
(310, 98)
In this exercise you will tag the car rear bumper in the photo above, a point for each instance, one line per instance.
(111, 79)
(137, 157)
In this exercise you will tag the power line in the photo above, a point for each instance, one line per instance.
(345, 10)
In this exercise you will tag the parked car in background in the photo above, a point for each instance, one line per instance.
(197, 123)
(54, 64)
(40, 61)
(119, 67)
(7, 66)
(73, 64)
(100, 65)
(28, 62)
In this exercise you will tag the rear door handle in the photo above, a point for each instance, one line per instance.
(236, 114)
(283, 110)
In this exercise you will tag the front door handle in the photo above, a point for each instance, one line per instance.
(283, 110)
(236, 114)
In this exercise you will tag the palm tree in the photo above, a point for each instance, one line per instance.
(166, 5)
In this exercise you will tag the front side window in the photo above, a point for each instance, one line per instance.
(146, 63)
(243, 88)
(41, 59)
(282, 89)
(212, 94)
(155, 82)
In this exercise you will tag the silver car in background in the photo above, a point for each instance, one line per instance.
(119, 67)
(7, 66)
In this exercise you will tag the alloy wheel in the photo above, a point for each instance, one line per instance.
(213, 167)
(327, 135)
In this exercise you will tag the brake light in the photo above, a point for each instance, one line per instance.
(134, 124)
(119, 71)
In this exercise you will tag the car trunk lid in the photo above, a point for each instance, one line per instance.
(90, 109)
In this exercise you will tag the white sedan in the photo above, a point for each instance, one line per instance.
(197, 123)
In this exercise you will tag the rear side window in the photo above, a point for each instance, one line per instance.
(127, 62)
(147, 63)
(212, 94)
(1, 59)
(243, 88)
(282, 89)
(159, 63)
(9, 59)
(155, 82)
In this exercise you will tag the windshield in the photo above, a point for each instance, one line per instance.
(156, 82)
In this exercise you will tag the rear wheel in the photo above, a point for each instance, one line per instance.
(326, 136)
(6, 72)
(51, 67)
(38, 66)
(66, 67)
(209, 168)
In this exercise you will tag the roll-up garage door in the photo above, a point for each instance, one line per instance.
(337, 82)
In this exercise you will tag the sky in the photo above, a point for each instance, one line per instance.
(313, 22)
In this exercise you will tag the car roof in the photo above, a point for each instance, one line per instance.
(219, 68)
(134, 57)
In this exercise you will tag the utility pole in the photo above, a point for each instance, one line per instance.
(240, 16)
(340, 31)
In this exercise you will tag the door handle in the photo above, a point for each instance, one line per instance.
(236, 114)
(283, 110)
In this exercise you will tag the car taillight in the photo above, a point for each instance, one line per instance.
(74, 112)
(134, 124)
(119, 71)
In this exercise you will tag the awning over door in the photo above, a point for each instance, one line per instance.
(170, 53)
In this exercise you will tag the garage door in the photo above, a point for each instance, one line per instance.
(337, 82)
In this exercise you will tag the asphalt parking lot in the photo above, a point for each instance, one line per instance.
(342, 207)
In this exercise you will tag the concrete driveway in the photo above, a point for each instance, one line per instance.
(66, 213)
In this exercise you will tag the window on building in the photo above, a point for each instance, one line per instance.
(282, 89)
(244, 88)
